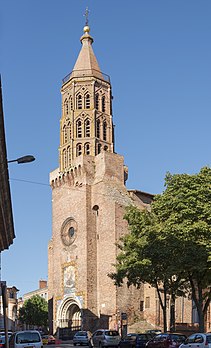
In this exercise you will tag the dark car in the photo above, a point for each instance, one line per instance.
(135, 340)
(166, 340)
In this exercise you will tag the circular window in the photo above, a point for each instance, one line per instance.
(71, 231)
(68, 231)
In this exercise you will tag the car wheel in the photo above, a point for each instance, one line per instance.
(74, 344)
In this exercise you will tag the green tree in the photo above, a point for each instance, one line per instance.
(170, 246)
(34, 311)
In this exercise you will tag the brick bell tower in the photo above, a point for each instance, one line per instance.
(88, 204)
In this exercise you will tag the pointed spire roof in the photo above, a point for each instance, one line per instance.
(86, 63)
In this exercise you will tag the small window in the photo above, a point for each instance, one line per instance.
(103, 103)
(66, 109)
(87, 101)
(87, 128)
(64, 134)
(71, 102)
(64, 153)
(104, 130)
(87, 149)
(147, 302)
(79, 129)
(78, 150)
(98, 129)
(68, 156)
(98, 148)
(141, 306)
(97, 101)
(79, 101)
(69, 130)
(105, 148)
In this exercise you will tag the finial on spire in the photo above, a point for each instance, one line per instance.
(86, 14)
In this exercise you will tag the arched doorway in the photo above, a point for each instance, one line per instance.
(69, 318)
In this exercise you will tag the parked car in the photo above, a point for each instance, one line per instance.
(197, 340)
(2, 341)
(48, 339)
(133, 340)
(51, 339)
(154, 332)
(26, 339)
(82, 337)
(45, 339)
(105, 338)
(166, 340)
(128, 341)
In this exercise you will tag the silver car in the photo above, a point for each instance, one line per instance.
(105, 338)
(197, 340)
(82, 337)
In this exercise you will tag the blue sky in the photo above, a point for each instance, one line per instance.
(157, 53)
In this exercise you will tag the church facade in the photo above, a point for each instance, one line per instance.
(89, 198)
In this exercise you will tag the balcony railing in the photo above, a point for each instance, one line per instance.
(86, 73)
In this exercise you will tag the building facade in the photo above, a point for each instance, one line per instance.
(89, 197)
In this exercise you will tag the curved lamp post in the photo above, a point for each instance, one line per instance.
(24, 159)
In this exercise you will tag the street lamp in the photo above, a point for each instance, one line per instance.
(24, 159)
(3, 287)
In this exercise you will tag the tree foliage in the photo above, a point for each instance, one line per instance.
(171, 245)
(34, 311)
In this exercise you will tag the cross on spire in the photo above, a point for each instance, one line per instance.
(86, 14)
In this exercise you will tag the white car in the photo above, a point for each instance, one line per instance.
(26, 339)
(197, 340)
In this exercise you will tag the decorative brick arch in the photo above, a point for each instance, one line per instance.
(69, 314)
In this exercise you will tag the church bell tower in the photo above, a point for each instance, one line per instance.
(86, 126)
(88, 204)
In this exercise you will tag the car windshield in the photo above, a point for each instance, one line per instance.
(142, 337)
(178, 338)
(111, 333)
(81, 333)
(27, 337)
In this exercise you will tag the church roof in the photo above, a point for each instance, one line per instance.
(86, 63)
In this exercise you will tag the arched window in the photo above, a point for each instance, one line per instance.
(87, 149)
(79, 101)
(66, 109)
(105, 148)
(87, 128)
(97, 101)
(64, 155)
(64, 134)
(71, 102)
(68, 156)
(79, 129)
(104, 130)
(87, 101)
(98, 129)
(103, 103)
(98, 148)
(78, 150)
(69, 130)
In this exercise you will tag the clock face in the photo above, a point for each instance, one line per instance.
(68, 231)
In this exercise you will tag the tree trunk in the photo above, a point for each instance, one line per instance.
(172, 313)
(197, 295)
(163, 305)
